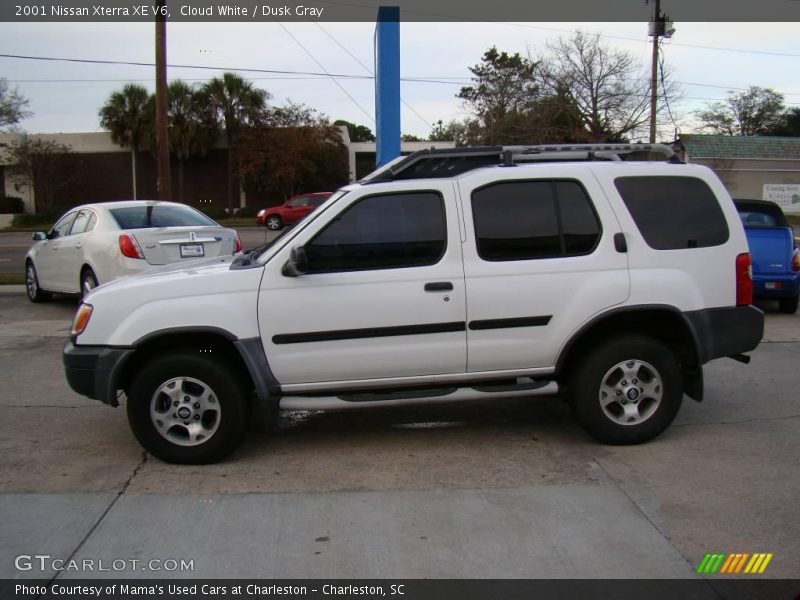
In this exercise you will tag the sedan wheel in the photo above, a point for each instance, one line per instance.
(88, 282)
(35, 293)
(274, 222)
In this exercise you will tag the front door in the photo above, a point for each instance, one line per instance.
(382, 296)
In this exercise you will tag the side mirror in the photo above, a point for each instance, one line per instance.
(297, 263)
(39, 236)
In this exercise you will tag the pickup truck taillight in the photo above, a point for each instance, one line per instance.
(796, 261)
(238, 247)
(744, 280)
(129, 247)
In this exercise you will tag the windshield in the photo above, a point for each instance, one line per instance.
(260, 250)
(160, 215)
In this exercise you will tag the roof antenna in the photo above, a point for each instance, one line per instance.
(508, 158)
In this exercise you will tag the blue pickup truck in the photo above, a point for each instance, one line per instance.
(775, 258)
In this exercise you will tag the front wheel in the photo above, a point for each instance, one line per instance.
(185, 408)
(627, 390)
(35, 293)
(274, 222)
(788, 306)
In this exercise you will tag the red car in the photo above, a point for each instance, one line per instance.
(291, 211)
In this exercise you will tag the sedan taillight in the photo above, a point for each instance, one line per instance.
(129, 247)
(238, 247)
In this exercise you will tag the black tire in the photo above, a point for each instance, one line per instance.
(602, 375)
(224, 390)
(788, 306)
(273, 223)
(35, 293)
(88, 281)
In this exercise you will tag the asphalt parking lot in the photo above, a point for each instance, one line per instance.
(510, 489)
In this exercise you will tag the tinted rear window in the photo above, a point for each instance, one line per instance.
(136, 217)
(674, 212)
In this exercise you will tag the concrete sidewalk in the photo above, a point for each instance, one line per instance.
(562, 531)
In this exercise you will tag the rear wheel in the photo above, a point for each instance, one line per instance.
(88, 281)
(274, 222)
(35, 293)
(627, 390)
(186, 408)
(789, 305)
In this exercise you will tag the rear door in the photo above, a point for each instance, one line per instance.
(72, 251)
(539, 261)
(383, 296)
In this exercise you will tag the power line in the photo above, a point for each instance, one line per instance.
(368, 70)
(319, 64)
(210, 68)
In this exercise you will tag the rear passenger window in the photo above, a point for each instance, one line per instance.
(525, 220)
(390, 231)
(674, 212)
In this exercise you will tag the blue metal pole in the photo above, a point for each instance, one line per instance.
(387, 84)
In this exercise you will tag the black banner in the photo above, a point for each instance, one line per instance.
(414, 589)
(410, 10)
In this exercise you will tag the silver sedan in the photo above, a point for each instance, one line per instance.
(96, 243)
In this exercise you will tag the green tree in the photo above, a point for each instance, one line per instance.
(789, 124)
(357, 133)
(503, 96)
(464, 133)
(192, 127)
(300, 151)
(13, 105)
(757, 111)
(52, 169)
(128, 118)
(236, 105)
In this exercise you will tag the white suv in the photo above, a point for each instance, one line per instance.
(611, 273)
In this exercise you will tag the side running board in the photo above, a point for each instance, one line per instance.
(524, 386)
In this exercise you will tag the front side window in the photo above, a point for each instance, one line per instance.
(674, 212)
(390, 231)
(298, 202)
(62, 228)
(526, 220)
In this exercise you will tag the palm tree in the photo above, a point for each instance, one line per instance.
(236, 104)
(125, 114)
(192, 127)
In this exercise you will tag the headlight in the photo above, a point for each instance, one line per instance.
(262, 212)
(81, 319)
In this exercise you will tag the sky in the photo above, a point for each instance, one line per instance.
(706, 58)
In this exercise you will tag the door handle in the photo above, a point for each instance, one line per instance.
(439, 286)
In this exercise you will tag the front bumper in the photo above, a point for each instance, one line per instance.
(94, 371)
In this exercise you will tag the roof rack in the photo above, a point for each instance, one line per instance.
(449, 162)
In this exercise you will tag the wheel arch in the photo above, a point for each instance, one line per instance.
(205, 340)
(664, 323)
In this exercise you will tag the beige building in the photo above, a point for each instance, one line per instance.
(757, 167)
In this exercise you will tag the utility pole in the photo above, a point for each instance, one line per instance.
(162, 141)
(657, 32)
(660, 27)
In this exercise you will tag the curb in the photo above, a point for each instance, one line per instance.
(7, 290)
